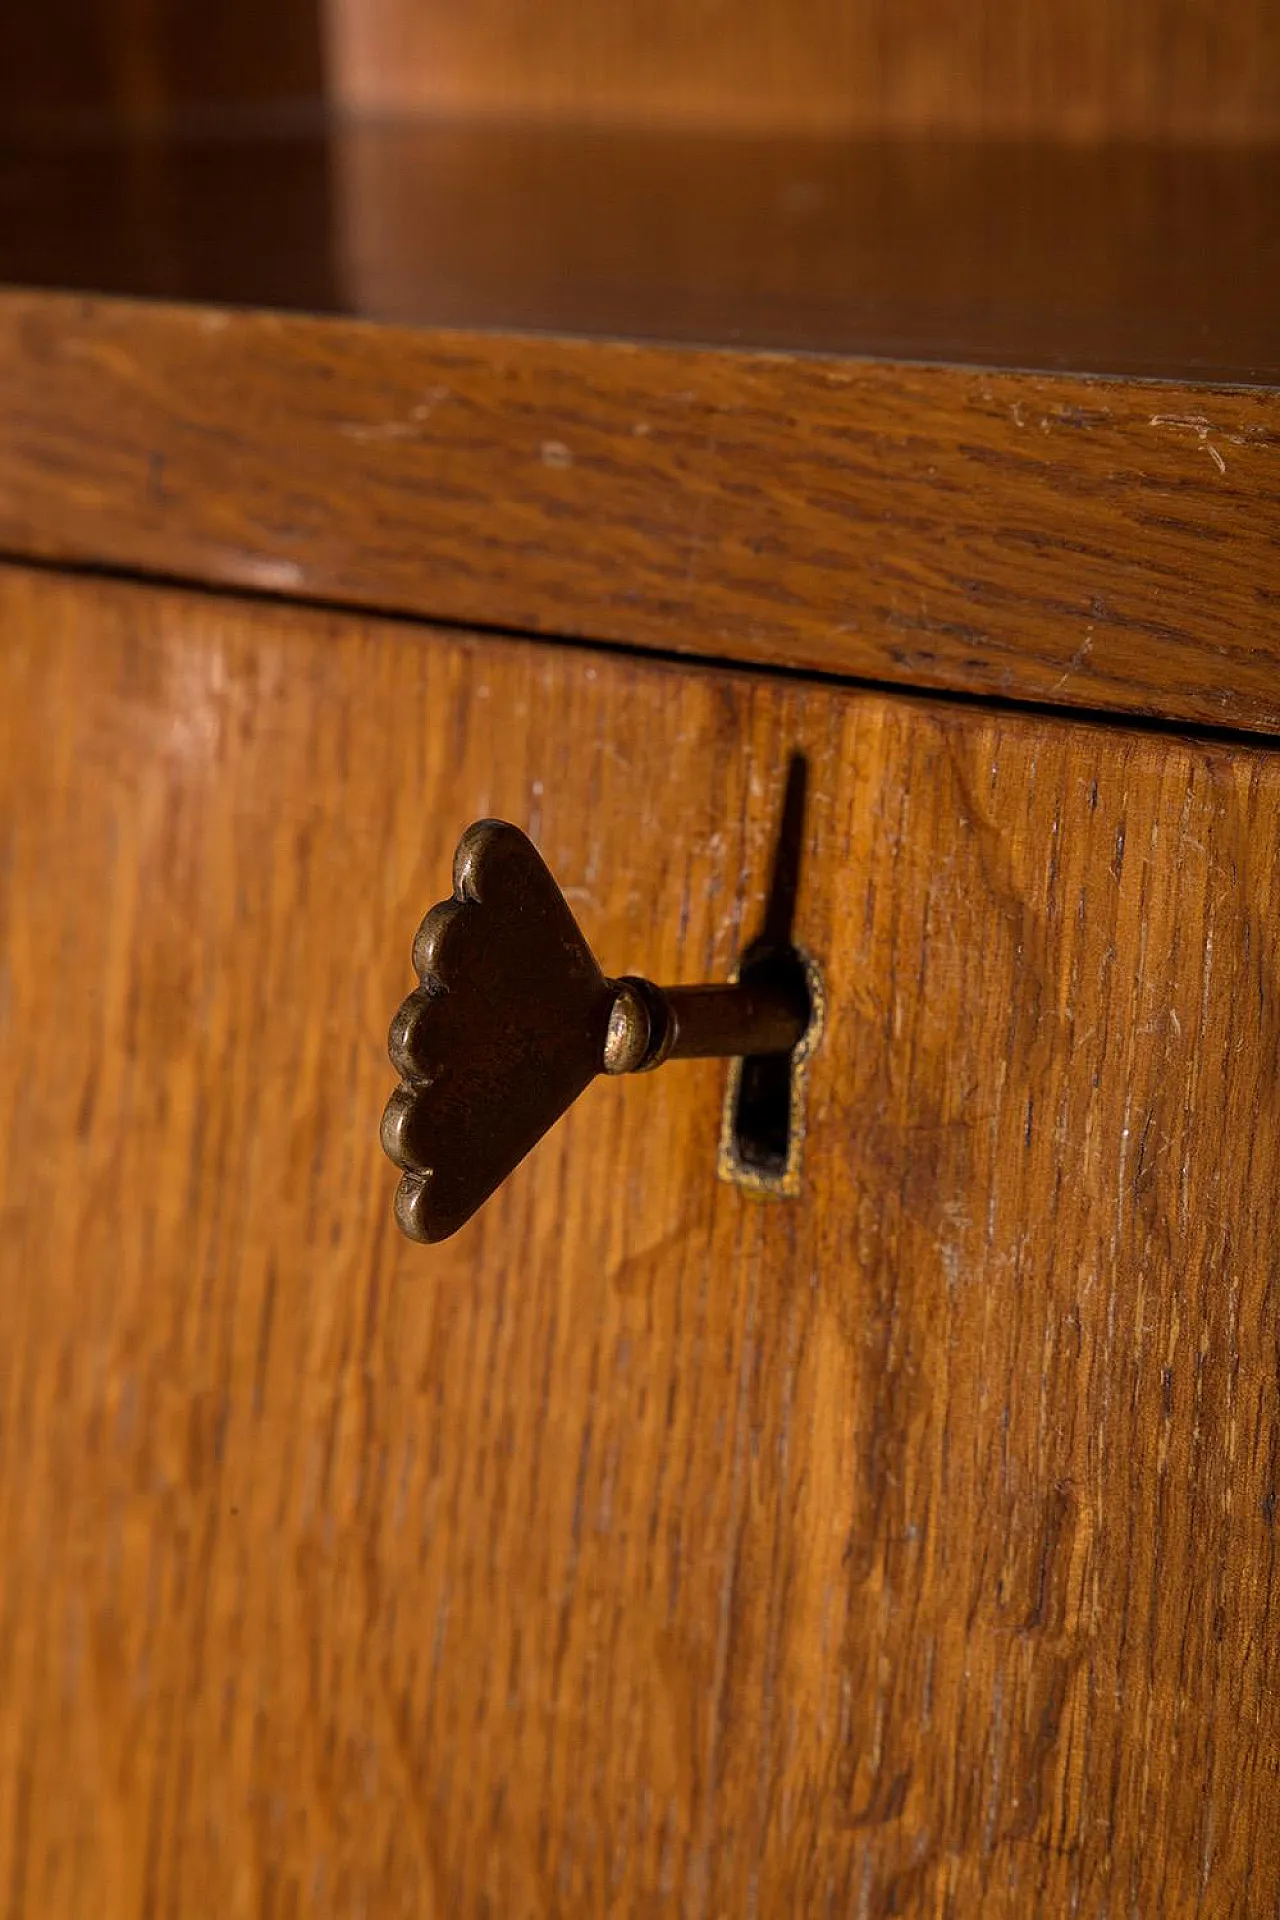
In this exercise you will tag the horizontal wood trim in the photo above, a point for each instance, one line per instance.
(1109, 544)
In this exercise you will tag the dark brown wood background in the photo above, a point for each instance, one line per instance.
(149, 63)
(910, 1547)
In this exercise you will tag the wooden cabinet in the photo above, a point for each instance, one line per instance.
(612, 419)
(907, 1546)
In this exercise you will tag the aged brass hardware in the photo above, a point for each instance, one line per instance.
(514, 1018)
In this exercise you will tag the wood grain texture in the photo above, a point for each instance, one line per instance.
(647, 1549)
(1187, 69)
(1103, 544)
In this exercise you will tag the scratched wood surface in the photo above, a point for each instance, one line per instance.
(1097, 543)
(906, 1548)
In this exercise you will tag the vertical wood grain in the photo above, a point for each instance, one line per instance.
(1152, 69)
(648, 1548)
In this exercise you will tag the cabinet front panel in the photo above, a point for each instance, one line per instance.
(650, 1547)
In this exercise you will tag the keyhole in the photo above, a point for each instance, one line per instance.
(763, 1125)
(764, 1107)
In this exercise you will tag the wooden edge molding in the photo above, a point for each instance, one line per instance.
(1101, 543)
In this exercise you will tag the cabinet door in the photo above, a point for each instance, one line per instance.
(650, 1547)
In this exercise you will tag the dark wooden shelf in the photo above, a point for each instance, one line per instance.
(829, 405)
(1142, 261)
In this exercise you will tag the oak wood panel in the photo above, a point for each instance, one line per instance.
(1190, 69)
(1118, 259)
(1101, 544)
(909, 1547)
